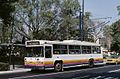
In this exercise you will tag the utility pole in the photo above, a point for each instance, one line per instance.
(83, 20)
(81, 26)
(11, 60)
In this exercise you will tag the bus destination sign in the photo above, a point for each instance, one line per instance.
(33, 43)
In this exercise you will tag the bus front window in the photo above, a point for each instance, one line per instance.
(35, 52)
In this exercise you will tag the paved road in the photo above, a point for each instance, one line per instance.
(99, 72)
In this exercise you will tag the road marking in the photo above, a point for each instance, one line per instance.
(118, 70)
(98, 77)
(103, 77)
(23, 77)
(111, 78)
(81, 77)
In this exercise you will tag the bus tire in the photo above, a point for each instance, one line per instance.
(58, 66)
(91, 63)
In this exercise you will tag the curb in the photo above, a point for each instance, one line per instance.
(14, 71)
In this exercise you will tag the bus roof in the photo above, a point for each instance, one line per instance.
(65, 42)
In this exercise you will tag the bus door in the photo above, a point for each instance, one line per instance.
(48, 52)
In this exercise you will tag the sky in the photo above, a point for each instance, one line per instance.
(102, 9)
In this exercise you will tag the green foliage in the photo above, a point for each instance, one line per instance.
(115, 33)
(4, 59)
(8, 1)
(6, 10)
(4, 66)
(115, 47)
(18, 60)
(87, 15)
(47, 19)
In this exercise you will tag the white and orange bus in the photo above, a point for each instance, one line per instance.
(43, 54)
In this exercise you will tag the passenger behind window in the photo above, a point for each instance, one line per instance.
(56, 52)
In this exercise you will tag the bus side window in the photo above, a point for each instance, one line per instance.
(48, 53)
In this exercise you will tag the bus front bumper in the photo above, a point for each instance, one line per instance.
(35, 67)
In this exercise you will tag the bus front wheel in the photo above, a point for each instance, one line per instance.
(91, 63)
(58, 66)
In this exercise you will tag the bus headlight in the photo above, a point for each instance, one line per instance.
(25, 59)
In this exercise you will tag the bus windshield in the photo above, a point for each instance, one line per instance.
(35, 52)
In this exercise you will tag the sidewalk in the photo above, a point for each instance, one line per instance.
(18, 68)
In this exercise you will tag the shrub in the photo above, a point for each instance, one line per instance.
(4, 59)
(4, 66)
(17, 60)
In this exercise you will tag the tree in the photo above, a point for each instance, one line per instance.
(116, 31)
(115, 27)
(115, 34)
(118, 8)
(115, 47)
(6, 9)
(92, 28)
(68, 26)
(47, 19)
(88, 27)
(107, 31)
